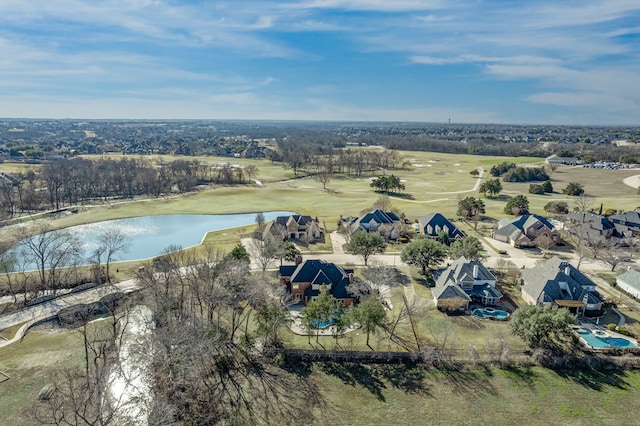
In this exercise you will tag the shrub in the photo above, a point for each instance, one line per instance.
(611, 327)
(534, 188)
(557, 207)
(574, 188)
(623, 330)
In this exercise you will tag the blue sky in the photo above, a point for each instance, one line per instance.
(482, 61)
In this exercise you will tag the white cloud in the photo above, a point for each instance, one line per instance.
(374, 5)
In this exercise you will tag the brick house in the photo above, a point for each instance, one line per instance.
(523, 230)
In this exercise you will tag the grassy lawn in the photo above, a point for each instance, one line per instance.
(378, 395)
(28, 363)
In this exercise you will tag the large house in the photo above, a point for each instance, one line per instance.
(304, 281)
(558, 282)
(387, 224)
(523, 230)
(592, 226)
(627, 222)
(433, 224)
(462, 282)
(293, 227)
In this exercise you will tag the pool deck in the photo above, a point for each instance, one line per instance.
(592, 328)
(296, 324)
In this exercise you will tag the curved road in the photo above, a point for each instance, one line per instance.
(50, 309)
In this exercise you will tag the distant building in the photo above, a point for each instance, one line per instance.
(570, 161)
(294, 227)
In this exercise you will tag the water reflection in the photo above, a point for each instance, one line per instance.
(150, 235)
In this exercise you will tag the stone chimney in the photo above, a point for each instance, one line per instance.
(567, 271)
(476, 271)
(351, 278)
(298, 259)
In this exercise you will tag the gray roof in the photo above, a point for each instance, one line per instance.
(631, 278)
(631, 219)
(460, 268)
(513, 228)
(378, 216)
(542, 282)
(449, 292)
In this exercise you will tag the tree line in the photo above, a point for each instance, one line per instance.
(66, 182)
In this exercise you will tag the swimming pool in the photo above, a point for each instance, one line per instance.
(491, 313)
(603, 340)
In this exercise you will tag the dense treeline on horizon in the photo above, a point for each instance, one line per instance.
(65, 182)
(319, 149)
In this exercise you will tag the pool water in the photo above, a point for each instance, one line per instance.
(604, 342)
(318, 324)
(490, 313)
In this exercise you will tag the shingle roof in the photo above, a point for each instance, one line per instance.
(449, 291)
(515, 227)
(377, 216)
(460, 268)
(627, 218)
(631, 278)
(542, 283)
(438, 220)
(320, 272)
(297, 218)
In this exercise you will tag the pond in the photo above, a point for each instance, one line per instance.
(151, 235)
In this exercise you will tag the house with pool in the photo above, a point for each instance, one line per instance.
(462, 282)
(304, 281)
(557, 282)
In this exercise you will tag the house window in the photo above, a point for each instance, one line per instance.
(295, 286)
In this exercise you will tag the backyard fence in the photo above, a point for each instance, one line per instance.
(606, 360)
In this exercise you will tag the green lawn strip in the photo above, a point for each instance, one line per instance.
(378, 395)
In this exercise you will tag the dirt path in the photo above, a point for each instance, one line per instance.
(50, 309)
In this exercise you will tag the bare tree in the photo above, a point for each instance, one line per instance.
(544, 243)
(114, 241)
(54, 254)
(83, 396)
(383, 203)
(578, 238)
(265, 252)
(582, 203)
